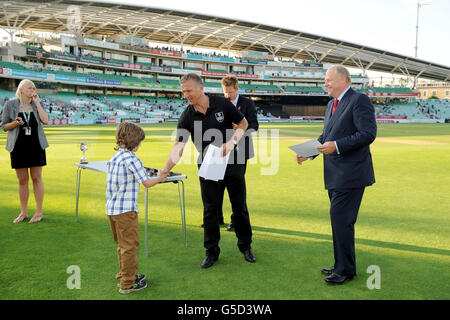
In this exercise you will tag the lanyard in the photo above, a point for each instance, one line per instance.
(27, 116)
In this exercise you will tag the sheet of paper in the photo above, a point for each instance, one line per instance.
(307, 149)
(214, 165)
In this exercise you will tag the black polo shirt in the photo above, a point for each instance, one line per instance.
(215, 127)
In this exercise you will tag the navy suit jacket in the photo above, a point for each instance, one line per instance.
(353, 126)
(248, 109)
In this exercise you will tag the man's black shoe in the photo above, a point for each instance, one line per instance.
(230, 227)
(248, 255)
(327, 271)
(209, 261)
(335, 278)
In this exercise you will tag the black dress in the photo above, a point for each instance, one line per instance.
(27, 151)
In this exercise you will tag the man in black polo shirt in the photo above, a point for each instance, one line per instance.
(209, 120)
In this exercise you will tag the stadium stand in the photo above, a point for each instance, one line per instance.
(90, 107)
(95, 69)
(12, 65)
(417, 110)
(304, 89)
(259, 87)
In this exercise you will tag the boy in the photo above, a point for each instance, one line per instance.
(125, 173)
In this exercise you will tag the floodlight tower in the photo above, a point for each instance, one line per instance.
(419, 4)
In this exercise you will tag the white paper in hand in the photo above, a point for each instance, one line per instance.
(307, 149)
(214, 165)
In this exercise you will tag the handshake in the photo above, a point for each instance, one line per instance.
(162, 174)
(155, 176)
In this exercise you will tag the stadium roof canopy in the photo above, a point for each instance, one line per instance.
(203, 31)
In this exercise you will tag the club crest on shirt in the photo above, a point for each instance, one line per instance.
(219, 117)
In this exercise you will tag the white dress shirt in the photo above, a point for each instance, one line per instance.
(236, 100)
(339, 99)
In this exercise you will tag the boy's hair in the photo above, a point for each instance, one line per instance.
(128, 136)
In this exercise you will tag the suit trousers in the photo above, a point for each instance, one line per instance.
(212, 195)
(125, 231)
(220, 212)
(344, 207)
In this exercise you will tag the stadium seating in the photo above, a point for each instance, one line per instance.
(12, 65)
(424, 109)
(92, 57)
(388, 89)
(114, 77)
(218, 70)
(161, 81)
(304, 89)
(66, 73)
(90, 107)
(212, 84)
(261, 87)
(34, 47)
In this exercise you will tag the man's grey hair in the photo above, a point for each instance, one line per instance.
(343, 72)
(191, 76)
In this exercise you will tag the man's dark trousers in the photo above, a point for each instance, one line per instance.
(220, 212)
(344, 209)
(234, 181)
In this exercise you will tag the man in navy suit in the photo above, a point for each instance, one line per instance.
(247, 107)
(349, 128)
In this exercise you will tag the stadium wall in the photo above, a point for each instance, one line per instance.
(296, 110)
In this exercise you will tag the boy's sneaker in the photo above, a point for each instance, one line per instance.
(136, 287)
(139, 278)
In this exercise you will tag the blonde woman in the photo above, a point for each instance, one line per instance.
(23, 119)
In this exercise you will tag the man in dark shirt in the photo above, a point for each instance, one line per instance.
(209, 120)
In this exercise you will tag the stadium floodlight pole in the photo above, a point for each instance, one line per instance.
(419, 4)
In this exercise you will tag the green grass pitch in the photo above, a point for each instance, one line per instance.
(403, 225)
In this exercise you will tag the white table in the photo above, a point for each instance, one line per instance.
(100, 166)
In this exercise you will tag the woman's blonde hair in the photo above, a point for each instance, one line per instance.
(22, 84)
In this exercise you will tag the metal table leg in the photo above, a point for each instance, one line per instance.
(182, 208)
(146, 222)
(78, 192)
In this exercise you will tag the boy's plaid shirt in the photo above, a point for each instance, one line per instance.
(125, 173)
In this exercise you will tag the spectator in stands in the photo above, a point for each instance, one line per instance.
(23, 119)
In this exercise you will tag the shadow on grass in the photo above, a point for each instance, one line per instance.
(368, 242)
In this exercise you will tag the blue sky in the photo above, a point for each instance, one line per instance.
(382, 24)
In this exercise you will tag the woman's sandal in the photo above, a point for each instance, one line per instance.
(20, 218)
(35, 220)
